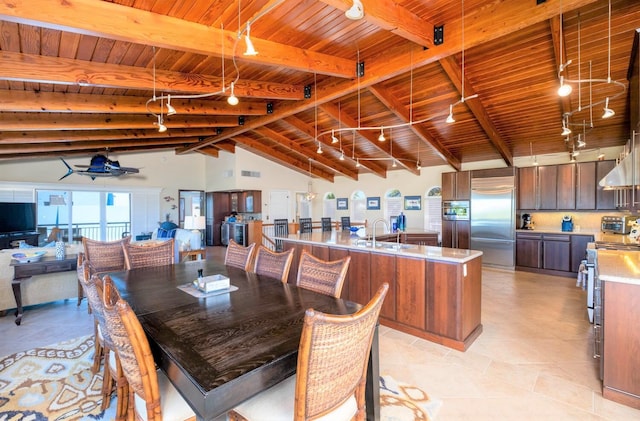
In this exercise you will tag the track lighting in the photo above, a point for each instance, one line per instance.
(565, 130)
(581, 143)
(170, 109)
(564, 89)
(341, 156)
(450, 118)
(319, 148)
(575, 153)
(356, 11)
(572, 158)
(395, 164)
(418, 166)
(233, 99)
(357, 162)
(334, 139)
(250, 51)
(608, 112)
(161, 127)
(381, 138)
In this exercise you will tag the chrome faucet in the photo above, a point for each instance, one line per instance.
(373, 239)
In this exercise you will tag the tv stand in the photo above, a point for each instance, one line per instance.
(9, 240)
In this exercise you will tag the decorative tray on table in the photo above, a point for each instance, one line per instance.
(28, 257)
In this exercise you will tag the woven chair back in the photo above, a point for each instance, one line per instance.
(142, 255)
(326, 277)
(345, 223)
(239, 256)
(273, 264)
(333, 357)
(306, 225)
(326, 224)
(105, 256)
(280, 229)
(133, 349)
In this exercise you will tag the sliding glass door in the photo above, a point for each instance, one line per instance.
(71, 215)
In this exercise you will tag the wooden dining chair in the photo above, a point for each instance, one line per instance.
(326, 277)
(239, 256)
(331, 373)
(306, 225)
(152, 397)
(142, 255)
(273, 264)
(105, 348)
(345, 223)
(105, 256)
(326, 224)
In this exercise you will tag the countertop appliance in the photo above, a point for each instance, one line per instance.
(453, 210)
(493, 219)
(527, 222)
(567, 223)
(618, 224)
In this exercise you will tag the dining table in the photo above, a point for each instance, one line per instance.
(220, 348)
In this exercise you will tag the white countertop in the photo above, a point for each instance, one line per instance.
(619, 266)
(347, 240)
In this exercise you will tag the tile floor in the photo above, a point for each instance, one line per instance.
(532, 361)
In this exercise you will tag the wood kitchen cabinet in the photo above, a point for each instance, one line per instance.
(605, 199)
(586, 180)
(410, 291)
(529, 250)
(566, 187)
(547, 187)
(456, 185)
(556, 252)
(456, 234)
(579, 250)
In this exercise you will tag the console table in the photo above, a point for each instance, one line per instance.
(48, 264)
(192, 255)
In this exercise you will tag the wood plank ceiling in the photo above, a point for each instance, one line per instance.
(78, 77)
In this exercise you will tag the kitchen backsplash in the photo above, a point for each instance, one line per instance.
(582, 221)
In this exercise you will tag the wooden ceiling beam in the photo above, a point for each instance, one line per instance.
(32, 122)
(308, 153)
(59, 102)
(282, 158)
(123, 23)
(370, 135)
(65, 71)
(400, 110)
(390, 16)
(56, 136)
(300, 125)
(513, 15)
(453, 70)
(554, 27)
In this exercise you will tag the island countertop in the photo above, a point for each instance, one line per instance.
(619, 266)
(340, 239)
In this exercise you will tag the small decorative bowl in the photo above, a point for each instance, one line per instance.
(354, 229)
(28, 257)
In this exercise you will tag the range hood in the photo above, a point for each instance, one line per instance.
(624, 175)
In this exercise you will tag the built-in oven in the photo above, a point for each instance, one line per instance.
(455, 210)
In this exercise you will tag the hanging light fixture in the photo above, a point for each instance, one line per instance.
(310, 195)
(170, 109)
(161, 127)
(381, 138)
(608, 112)
(356, 11)
(341, 155)
(233, 99)
(358, 163)
(250, 51)
(564, 89)
(334, 139)
(566, 131)
(450, 118)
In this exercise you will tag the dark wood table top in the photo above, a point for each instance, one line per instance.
(222, 349)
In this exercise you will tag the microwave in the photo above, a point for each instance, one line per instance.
(455, 210)
(618, 224)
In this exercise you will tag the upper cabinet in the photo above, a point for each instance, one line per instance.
(456, 185)
(565, 187)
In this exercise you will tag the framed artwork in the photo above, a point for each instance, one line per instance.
(412, 202)
(373, 203)
(342, 203)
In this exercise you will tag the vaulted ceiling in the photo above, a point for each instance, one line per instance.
(78, 77)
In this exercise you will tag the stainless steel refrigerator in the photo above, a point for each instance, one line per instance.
(493, 226)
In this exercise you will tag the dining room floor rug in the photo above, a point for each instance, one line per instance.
(55, 382)
(403, 402)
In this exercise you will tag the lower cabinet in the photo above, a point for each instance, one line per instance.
(555, 254)
(456, 234)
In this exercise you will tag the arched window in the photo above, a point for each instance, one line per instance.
(433, 210)
(358, 206)
(392, 204)
(329, 205)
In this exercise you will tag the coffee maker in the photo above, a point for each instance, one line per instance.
(527, 222)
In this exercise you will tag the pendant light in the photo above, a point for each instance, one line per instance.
(310, 195)
(564, 89)
(233, 99)
(250, 51)
(170, 109)
(450, 118)
(381, 138)
(608, 112)
(356, 11)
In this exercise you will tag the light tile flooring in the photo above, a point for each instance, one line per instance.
(532, 361)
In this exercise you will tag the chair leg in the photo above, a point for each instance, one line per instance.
(99, 349)
(122, 391)
(107, 382)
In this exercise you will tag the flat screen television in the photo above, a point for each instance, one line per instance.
(17, 217)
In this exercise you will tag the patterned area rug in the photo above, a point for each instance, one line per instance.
(402, 402)
(55, 383)
(52, 383)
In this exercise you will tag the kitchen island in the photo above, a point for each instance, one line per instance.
(434, 292)
(620, 338)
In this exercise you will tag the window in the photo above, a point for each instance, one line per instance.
(358, 206)
(104, 216)
(329, 206)
(392, 204)
(433, 210)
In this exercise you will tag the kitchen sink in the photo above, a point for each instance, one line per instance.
(384, 245)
